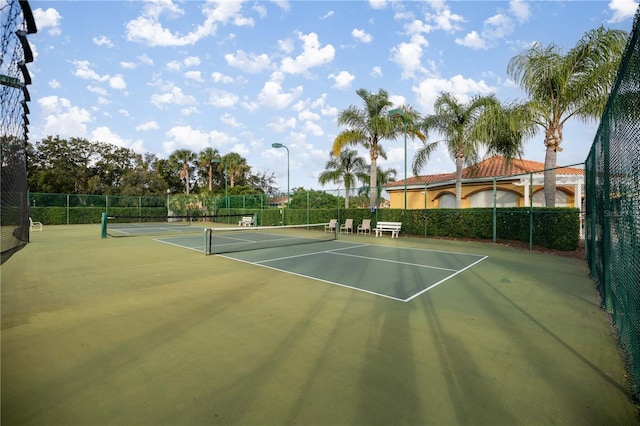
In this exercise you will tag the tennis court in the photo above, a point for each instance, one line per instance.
(134, 331)
(394, 272)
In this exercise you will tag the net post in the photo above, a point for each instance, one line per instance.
(103, 225)
(207, 246)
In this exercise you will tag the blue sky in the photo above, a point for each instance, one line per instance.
(238, 76)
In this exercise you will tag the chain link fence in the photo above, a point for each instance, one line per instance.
(613, 207)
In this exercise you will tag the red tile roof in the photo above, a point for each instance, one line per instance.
(495, 166)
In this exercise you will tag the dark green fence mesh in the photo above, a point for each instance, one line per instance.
(613, 207)
(16, 22)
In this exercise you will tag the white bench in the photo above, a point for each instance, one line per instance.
(35, 226)
(393, 227)
(246, 221)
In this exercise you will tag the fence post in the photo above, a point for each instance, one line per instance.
(495, 221)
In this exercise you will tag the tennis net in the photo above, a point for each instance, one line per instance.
(228, 240)
(131, 226)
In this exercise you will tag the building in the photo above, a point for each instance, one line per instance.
(513, 183)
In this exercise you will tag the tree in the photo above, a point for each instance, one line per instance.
(369, 126)
(563, 86)
(205, 161)
(383, 177)
(237, 168)
(348, 168)
(182, 158)
(459, 125)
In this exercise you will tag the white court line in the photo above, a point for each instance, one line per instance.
(395, 261)
(443, 280)
(308, 254)
(179, 245)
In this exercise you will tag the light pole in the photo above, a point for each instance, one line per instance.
(279, 145)
(226, 194)
(395, 113)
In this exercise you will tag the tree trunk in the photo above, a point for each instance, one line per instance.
(210, 177)
(458, 182)
(550, 159)
(373, 182)
(552, 140)
(347, 190)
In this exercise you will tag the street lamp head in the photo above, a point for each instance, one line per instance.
(216, 160)
(277, 145)
(395, 113)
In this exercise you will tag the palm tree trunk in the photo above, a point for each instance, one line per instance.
(373, 181)
(458, 182)
(347, 190)
(550, 159)
(210, 177)
(552, 140)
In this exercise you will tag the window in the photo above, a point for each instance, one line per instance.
(447, 201)
(503, 199)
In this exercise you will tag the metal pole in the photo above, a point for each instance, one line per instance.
(404, 120)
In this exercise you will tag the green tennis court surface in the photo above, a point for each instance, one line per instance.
(130, 331)
(396, 273)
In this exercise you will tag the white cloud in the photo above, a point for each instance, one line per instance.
(342, 80)
(260, 10)
(443, 18)
(98, 90)
(250, 63)
(409, 56)
(62, 118)
(104, 134)
(472, 40)
(279, 124)
(49, 18)
(84, 71)
(117, 82)
(189, 111)
(520, 9)
(149, 125)
(128, 65)
(329, 14)
(622, 10)
(362, 36)
(222, 99)
(145, 59)
(272, 94)
(229, 120)
(191, 61)
(221, 78)
(186, 137)
(377, 4)
(148, 30)
(54, 84)
(310, 127)
(102, 41)
(312, 55)
(376, 72)
(174, 96)
(194, 75)
(462, 88)
(498, 26)
(308, 115)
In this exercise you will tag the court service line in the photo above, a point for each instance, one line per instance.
(443, 280)
(315, 278)
(307, 254)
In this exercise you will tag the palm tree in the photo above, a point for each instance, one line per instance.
(458, 123)
(347, 169)
(205, 160)
(237, 167)
(562, 86)
(383, 177)
(184, 157)
(369, 126)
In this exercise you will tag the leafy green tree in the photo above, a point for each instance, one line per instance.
(300, 197)
(182, 158)
(237, 168)
(370, 125)
(348, 168)
(564, 86)
(205, 161)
